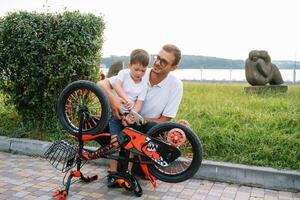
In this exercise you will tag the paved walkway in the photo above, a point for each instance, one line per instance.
(23, 177)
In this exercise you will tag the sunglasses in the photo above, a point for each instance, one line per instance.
(162, 62)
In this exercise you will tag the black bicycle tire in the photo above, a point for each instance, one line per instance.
(91, 86)
(197, 154)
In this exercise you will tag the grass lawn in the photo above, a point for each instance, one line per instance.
(261, 130)
(233, 126)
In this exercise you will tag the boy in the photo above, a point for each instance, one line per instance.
(131, 88)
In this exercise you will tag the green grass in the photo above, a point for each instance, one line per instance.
(261, 130)
(233, 126)
(11, 125)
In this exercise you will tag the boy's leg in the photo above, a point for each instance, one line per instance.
(130, 164)
(113, 164)
(115, 127)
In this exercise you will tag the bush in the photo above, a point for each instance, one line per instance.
(41, 53)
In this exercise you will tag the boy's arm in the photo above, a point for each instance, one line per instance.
(140, 99)
(138, 106)
(119, 89)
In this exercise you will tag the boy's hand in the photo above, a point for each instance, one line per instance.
(129, 104)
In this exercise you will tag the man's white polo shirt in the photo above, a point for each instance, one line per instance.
(162, 99)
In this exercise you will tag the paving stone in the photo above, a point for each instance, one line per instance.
(198, 196)
(285, 195)
(21, 194)
(256, 198)
(297, 195)
(270, 197)
(166, 197)
(29, 178)
(257, 192)
(212, 197)
(226, 198)
(229, 195)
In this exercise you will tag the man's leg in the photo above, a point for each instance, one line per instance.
(135, 168)
(145, 127)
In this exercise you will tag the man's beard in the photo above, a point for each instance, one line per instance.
(155, 70)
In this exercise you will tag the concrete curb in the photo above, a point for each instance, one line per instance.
(4, 144)
(218, 171)
(250, 175)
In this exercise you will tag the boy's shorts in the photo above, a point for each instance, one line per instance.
(115, 125)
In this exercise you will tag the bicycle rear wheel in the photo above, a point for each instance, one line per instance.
(185, 166)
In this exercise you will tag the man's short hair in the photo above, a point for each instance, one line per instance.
(139, 56)
(170, 48)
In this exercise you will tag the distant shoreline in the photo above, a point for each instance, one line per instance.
(208, 62)
(233, 81)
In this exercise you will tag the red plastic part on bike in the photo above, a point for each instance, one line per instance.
(176, 137)
(86, 138)
(60, 195)
(138, 141)
(151, 178)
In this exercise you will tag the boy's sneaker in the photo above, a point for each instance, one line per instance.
(111, 182)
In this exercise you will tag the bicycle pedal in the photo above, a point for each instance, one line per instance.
(60, 194)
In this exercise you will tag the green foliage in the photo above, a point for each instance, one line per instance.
(41, 53)
(245, 128)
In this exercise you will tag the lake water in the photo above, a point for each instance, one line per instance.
(225, 74)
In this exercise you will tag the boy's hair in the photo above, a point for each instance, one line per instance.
(170, 48)
(139, 56)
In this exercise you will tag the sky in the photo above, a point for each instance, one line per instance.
(219, 28)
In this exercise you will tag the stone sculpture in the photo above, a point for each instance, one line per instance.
(260, 70)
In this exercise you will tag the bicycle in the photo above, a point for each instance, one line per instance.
(169, 151)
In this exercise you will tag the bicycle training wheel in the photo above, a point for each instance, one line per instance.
(188, 163)
(83, 97)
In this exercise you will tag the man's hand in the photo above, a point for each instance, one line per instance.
(115, 105)
(127, 120)
(115, 102)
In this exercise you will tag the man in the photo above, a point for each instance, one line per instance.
(163, 96)
(164, 90)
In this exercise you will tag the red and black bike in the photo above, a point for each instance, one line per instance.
(170, 152)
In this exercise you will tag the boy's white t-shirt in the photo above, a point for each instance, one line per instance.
(134, 91)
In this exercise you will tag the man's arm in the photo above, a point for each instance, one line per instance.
(159, 120)
(127, 121)
(115, 102)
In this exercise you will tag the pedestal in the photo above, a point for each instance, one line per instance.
(266, 88)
